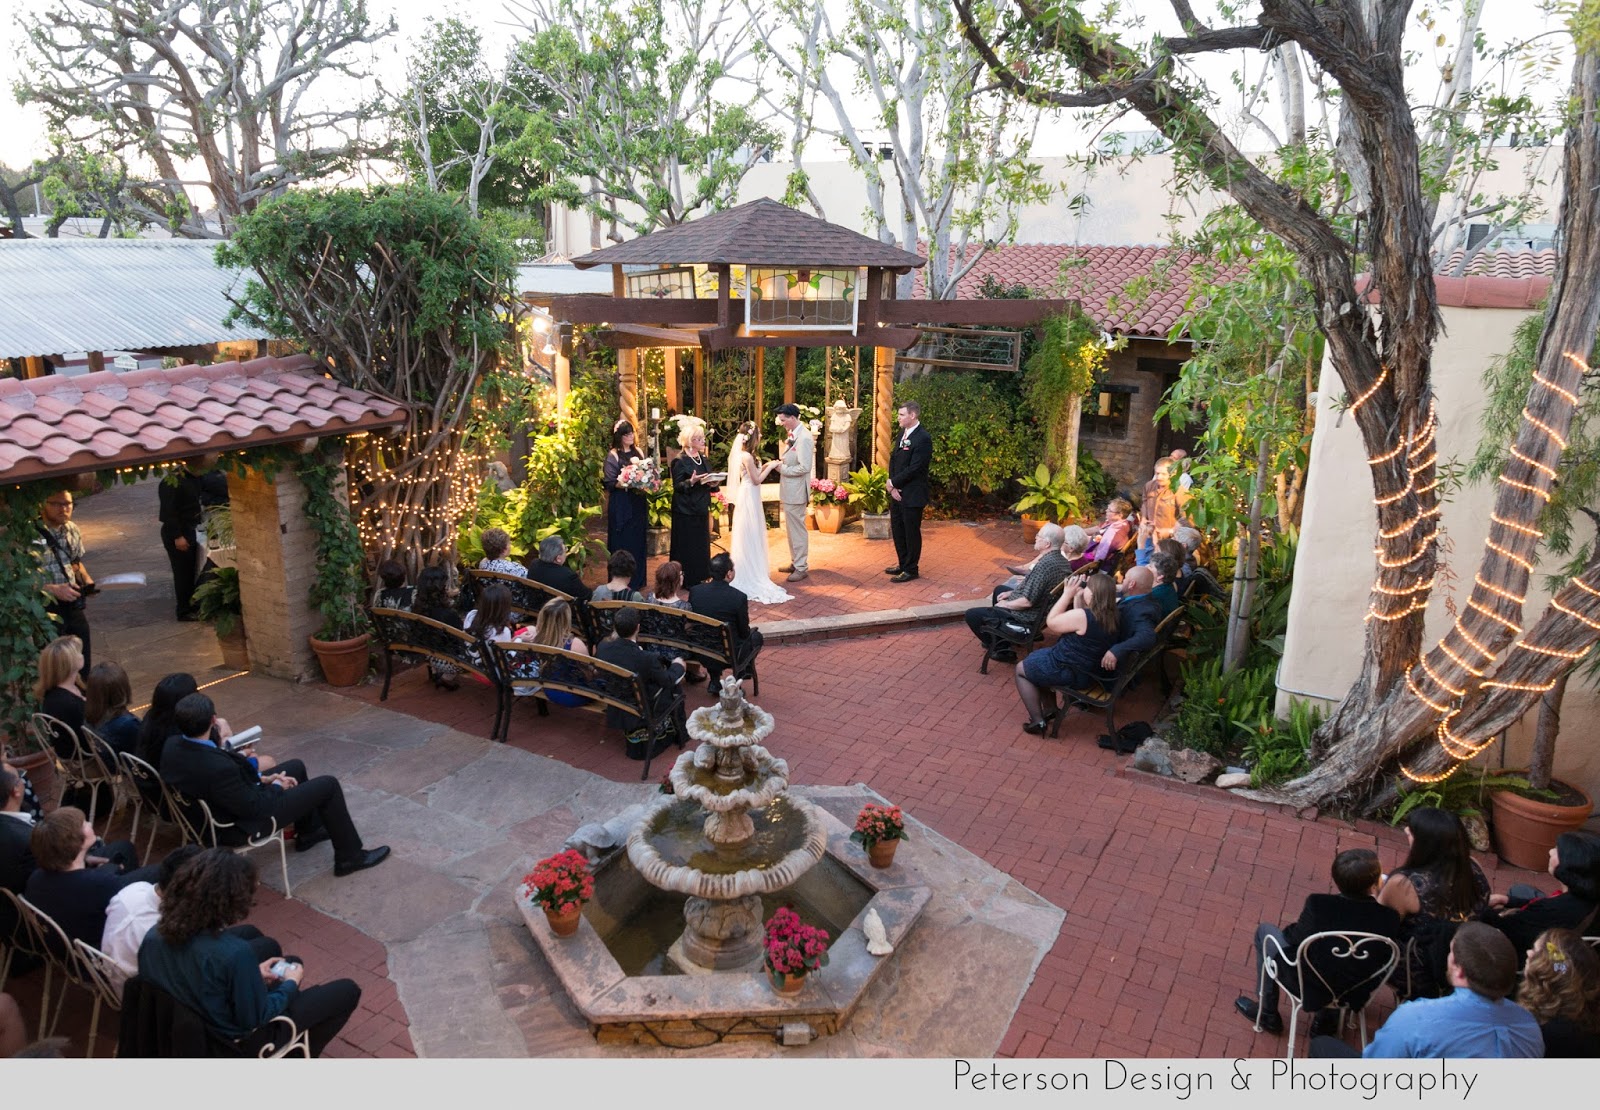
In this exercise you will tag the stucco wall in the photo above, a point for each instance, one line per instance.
(1335, 565)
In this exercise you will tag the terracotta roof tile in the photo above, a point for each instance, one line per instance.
(1502, 264)
(51, 427)
(758, 233)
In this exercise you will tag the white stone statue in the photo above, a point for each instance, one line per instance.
(877, 936)
(841, 439)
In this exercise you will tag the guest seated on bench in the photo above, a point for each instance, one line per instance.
(1027, 601)
(552, 571)
(433, 601)
(1086, 619)
(1164, 569)
(1138, 615)
(554, 629)
(618, 586)
(670, 594)
(392, 592)
(1561, 989)
(1109, 537)
(721, 600)
(193, 955)
(496, 546)
(660, 677)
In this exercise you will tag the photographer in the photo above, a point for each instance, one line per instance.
(59, 547)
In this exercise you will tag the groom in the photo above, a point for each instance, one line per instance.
(794, 488)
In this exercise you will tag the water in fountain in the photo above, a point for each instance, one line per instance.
(729, 834)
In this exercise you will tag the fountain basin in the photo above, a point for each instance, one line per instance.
(701, 785)
(710, 725)
(668, 849)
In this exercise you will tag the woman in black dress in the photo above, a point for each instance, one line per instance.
(691, 509)
(627, 511)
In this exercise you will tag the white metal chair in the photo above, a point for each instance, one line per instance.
(294, 1040)
(25, 938)
(156, 798)
(96, 753)
(1333, 969)
(100, 975)
(59, 955)
(183, 808)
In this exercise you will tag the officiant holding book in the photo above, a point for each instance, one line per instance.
(692, 482)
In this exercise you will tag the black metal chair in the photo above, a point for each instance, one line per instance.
(695, 636)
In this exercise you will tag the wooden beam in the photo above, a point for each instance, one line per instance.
(33, 366)
(619, 284)
(788, 375)
(761, 381)
(882, 405)
(97, 362)
(674, 392)
(562, 372)
(699, 382)
(641, 335)
(724, 296)
(998, 313)
(722, 339)
(597, 308)
(870, 312)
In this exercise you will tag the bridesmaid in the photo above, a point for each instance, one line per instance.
(627, 511)
(691, 508)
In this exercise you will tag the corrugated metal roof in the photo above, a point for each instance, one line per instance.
(59, 295)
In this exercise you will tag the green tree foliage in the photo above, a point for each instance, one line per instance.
(25, 626)
(980, 437)
(635, 110)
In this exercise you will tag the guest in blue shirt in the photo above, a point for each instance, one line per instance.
(106, 708)
(1476, 1021)
(191, 956)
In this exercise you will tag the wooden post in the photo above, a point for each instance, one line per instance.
(882, 405)
(788, 373)
(97, 361)
(724, 295)
(33, 366)
(700, 382)
(628, 385)
(674, 392)
(761, 382)
(563, 375)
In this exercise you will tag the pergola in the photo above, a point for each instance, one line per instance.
(782, 279)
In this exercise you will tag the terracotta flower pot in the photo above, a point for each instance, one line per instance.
(881, 854)
(1525, 829)
(564, 922)
(788, 983)
(235, 648)
(830, 516)
(1030, 529)
(344, 662)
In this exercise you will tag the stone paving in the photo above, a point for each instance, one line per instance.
(1161, 884)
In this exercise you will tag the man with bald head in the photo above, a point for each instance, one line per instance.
(1138, 614)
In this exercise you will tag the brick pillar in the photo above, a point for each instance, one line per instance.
(277, 560)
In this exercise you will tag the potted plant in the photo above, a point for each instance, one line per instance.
(828, 501)
(658, 539)
(338, 591)
(1527, 819)
(220, 546)
(793, 949)
(879, 829)
(217, 601)
(1045, 497)
(560, 885)
(869, 488)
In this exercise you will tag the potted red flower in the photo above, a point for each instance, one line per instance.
(793, 949)
(561, 884)
(879, 829)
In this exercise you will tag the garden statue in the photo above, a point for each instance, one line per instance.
(841, 440)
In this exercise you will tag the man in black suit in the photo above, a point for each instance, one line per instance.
(1355, 909)
(16, 827)
(908, 491)
(721, 600)
(551, 570)
(1138, 615)
(661, 678)
(193, 763)
(180, 514)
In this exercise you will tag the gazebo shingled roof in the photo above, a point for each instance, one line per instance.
(758, 233)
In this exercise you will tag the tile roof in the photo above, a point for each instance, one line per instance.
(759, 233)
(1502, 264)
(1097, 277)
(56, 426)
(114, 295)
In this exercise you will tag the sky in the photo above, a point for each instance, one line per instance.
(22, 133)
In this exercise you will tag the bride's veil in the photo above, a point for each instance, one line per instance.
(730, 488)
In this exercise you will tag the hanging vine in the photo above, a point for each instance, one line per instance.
(25, 626)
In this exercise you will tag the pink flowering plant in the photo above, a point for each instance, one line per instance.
(559, 881)
(876, 824)
(720, 498)
(825, 491)
(793, 947)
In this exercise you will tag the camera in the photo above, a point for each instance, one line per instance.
(281, 969)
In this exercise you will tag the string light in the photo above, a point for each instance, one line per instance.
(1571, 398)
(1555, 603)
(1524, 687)
(1475, 672)
(1426, 780)
(1559, 653)
(1523, 486)
(1545, 428)
(1548, 472)
(1411, 684)
(1383, 376)
(1391, 499)
(1509, 554)
(1514, 526)
(1470, 639)
(1585, 587)
(1516, 629)
(1379, 460)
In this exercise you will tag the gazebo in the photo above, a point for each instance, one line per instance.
(781, 279)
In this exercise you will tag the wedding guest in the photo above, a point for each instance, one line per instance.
(59, 549)
(1523, 915)
(58, 688)
(691, 507)
(1561, 989)
(1165, 570)
(1085, 617)
(551, 570)
(1437, 887)
(1028, 600)
(621, 570)
(106, 707)
(181, 514)
(553, 628)
(908, 492)
(491, 620)
(64, 885)
(496, 543)
(660, 677)
(393, 593)
(669, 592)
(433, 601)
(627, 510)
(1109, 537)
(721, 600)
(1138, 616)
(159, 720)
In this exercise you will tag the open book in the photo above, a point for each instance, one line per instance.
(243, 739)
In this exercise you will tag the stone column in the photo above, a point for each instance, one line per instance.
(277, 560)
(882, 405)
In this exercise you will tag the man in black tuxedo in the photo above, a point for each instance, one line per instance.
(1138, 615)
(1355, 909)
(193, 763)
(551, 570)
(661, 678)
(721, 600)
(908, 491)
(181, 513)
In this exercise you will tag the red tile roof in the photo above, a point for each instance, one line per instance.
(1502, 264)
(55, 426)
(1097, 277)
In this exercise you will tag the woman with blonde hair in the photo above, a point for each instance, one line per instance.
(1085, 617)
(58, 690)
(691, 505)
(1561, 989)
(553, 628)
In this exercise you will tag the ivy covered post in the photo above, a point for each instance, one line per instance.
(1061, 369)
(25, 627)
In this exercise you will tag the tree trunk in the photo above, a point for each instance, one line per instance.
(1246, 571)
(1541, 763)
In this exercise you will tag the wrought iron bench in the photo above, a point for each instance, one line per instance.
(1017, 630)
(704, 638)
(411, 634)
(1104, 696)
(536, 670)
(528, 597)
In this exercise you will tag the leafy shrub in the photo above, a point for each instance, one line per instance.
(1220, 710)
(980, 438)
(1463, 792)
(1277, 749)
(1097, 484)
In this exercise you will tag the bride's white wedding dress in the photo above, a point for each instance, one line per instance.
(748, 544)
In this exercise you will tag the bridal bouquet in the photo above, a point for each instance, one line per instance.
(641, 475)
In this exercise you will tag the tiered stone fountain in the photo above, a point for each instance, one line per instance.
(729, 834)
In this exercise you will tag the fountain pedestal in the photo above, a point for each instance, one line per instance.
(720, 936)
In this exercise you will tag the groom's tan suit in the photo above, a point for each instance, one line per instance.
(794, 490)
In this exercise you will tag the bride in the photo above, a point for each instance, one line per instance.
(748, 547)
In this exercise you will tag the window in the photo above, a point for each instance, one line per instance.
(1105, 414)
(801, 298)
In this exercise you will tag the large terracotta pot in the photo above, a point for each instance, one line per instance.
(235, 649)
(830, 516)
(564, 922)
(344, 662)
(1030, 528)
(881, 854)
(1525, 829)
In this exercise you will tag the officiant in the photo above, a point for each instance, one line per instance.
(691, 505)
